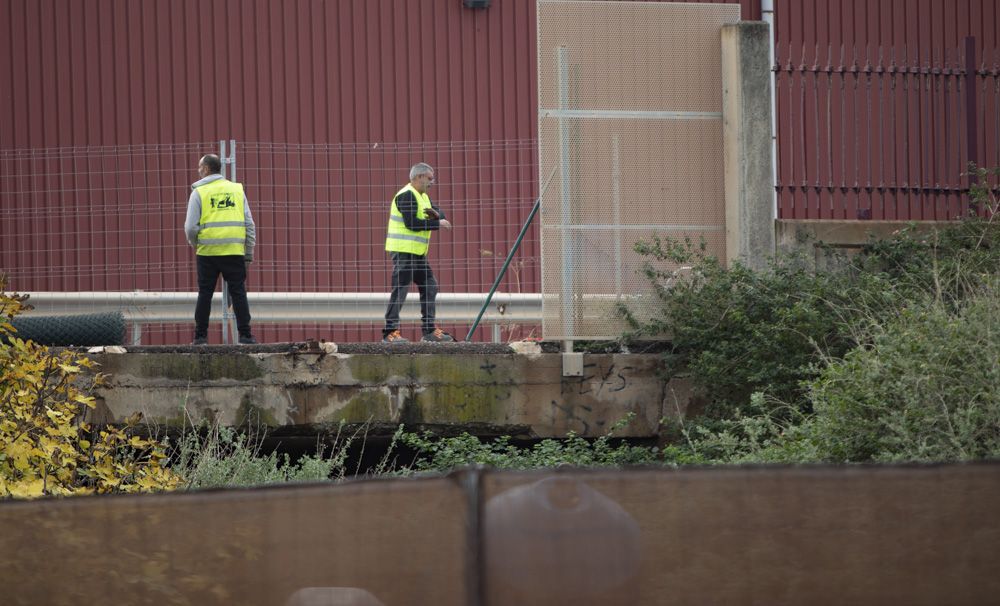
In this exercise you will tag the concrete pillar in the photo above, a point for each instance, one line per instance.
(746, 134)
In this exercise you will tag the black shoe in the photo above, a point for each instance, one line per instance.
(200, 341)
(248, 341)
(438, 336)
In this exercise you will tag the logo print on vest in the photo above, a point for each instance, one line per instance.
(222, 201)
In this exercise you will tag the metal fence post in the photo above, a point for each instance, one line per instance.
(567, 236)
(230, 317)
(971, 112)
(225, 287)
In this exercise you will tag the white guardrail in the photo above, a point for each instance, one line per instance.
(141, 307)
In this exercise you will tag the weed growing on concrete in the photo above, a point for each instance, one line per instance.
(220, 456)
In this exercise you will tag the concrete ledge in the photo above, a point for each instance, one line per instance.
(307, 393)
(822, 239)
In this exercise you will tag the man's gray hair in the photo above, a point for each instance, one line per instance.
(420, 168)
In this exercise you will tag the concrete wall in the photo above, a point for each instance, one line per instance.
(824, 241)
(746, 128)
(521, 395)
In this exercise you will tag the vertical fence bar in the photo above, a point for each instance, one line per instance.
(230, 319)
(804, 184)
(946, 135)
(567, 235)
(842, 204)
(866, 213)
(926, 124)
(616, 196)
(855, 212)
(818, 157)
(880, 183)
(225, 287)
(972, 140)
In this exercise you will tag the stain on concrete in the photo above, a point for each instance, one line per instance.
(411, 412)
(201, 368)
(364, 406)
(378, 370)
(253, 415)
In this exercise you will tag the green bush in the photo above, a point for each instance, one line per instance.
(926, 389)
(761, 432)
(738, 331)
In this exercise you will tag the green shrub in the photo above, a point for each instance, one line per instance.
(738, 331)
(761, 432)
(926, 389)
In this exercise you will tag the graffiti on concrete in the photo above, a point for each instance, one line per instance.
(594, 382)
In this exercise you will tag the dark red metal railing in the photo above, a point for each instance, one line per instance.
(883, 133)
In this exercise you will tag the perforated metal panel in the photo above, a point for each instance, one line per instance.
(630, 145)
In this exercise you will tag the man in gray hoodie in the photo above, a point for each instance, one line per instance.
(220, 228)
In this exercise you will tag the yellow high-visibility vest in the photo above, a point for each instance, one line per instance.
(223, 220)
(401, 239)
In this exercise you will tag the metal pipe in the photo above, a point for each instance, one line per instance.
(767, 13)
(280, 307)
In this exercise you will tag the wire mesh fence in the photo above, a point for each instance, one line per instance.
(111, 219)
(630, 126)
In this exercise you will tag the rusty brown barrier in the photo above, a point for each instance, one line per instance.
(858, 535)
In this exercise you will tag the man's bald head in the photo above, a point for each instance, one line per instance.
(211, 164)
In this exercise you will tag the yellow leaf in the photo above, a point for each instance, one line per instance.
(27, 489)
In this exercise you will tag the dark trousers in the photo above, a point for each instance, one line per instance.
(234, 272)
(407, 268)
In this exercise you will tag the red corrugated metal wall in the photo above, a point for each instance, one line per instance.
(308, 89)
(113, 72)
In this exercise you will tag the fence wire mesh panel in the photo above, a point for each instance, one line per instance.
(630, 146)
(883, 132)
(111, 219)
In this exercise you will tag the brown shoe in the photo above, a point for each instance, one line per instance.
(395, 337)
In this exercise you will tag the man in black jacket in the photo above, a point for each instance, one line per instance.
(412, 219)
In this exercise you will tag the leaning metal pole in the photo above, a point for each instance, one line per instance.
(510, 255)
